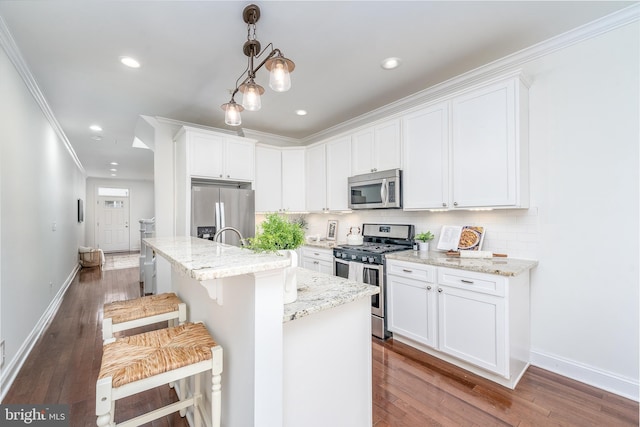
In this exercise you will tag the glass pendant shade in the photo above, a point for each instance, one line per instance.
(251, 95)
(232, 113)
(280, 69)
(279, 77)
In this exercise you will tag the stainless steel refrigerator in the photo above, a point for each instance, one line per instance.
(214, 207)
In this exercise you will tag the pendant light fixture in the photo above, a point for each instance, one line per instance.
(278, 66)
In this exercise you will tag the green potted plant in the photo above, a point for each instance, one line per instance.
(278, 234)
(423, 240)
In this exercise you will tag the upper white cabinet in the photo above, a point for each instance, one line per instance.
(293, 185)
(316, 178)
(425, 178)
(338, 172)
(217, 156)
(268, 187)
(279, 185)
(489, 146)
(469, 151)
(376, 148)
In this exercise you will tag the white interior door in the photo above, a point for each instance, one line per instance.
(113, 223)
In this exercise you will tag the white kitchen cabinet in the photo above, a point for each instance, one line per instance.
(293, 183)
(338, 169)
(475, 320)
(217, 156)
(376, 148)
(279, 185)
(411, 301)
(316, 178)
(472, 322)
(268, 185)
(489, 146)
(425, 178)
(469, 151)
(317, 259)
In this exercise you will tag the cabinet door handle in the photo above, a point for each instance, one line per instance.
(455, 203)
(467, 281)
(316, 262)
(407, 270)
(429, 287)
(444, 205)
(316, 253)
(439, 289)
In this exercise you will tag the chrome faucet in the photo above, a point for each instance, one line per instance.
(235, 230)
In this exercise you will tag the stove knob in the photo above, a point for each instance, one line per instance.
(364, 259)
(353, 257)
(372, 259)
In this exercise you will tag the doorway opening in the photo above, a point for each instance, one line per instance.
(112, 219)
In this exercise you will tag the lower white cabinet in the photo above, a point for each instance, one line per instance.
(411, 302)
(317, 259)
(474, 320)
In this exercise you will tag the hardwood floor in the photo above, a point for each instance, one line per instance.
(410, 388)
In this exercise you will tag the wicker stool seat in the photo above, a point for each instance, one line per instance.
(133, 364)
(128, 314)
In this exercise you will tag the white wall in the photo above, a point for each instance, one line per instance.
(40, 187)
(583, 224)
(141, 206)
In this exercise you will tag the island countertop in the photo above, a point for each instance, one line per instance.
(203, 259)
(319, 291)
(496, 265)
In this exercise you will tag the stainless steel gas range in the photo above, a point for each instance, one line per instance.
(366, 263)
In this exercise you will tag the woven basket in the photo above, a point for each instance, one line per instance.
(90, 259)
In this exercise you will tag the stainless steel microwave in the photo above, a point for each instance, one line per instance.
(377, 190)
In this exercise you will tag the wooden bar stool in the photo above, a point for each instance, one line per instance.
(137, 363)
(122, 315)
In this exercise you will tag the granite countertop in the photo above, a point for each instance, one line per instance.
(203, 259)
(323, 244)
(319, 291)
(501, 266)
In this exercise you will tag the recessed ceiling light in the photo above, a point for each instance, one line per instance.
(113, 170)
(114, 163)
(95, 128)
(113, 174)
(390, 63)
(129, 62)
(96, 138)
(301, 112)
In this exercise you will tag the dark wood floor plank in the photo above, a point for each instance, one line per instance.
(410, 388)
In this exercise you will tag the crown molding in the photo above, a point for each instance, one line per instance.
(13, 52)
(510, 64)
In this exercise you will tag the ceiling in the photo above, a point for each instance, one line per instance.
(191, 56)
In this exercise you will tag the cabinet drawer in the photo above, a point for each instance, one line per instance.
(485, 283)
(425, 273)
(318, 254)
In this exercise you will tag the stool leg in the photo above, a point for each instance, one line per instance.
(182, 313)
(182, 395)
(107, 328)
(197, 397)
(104, 403)
(216, 387)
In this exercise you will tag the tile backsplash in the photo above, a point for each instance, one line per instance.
(511, 231)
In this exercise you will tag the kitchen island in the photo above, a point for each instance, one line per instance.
(305, 363)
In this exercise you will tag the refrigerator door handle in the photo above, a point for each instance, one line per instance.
(221, 216)
(218, 227)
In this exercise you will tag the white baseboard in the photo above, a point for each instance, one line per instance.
(614, 383)
(13, 367)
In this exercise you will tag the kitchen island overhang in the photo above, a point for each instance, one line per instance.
(283, 363)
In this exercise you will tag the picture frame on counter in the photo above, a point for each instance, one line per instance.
(332, 229)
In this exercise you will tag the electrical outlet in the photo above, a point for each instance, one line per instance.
(1, 353)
